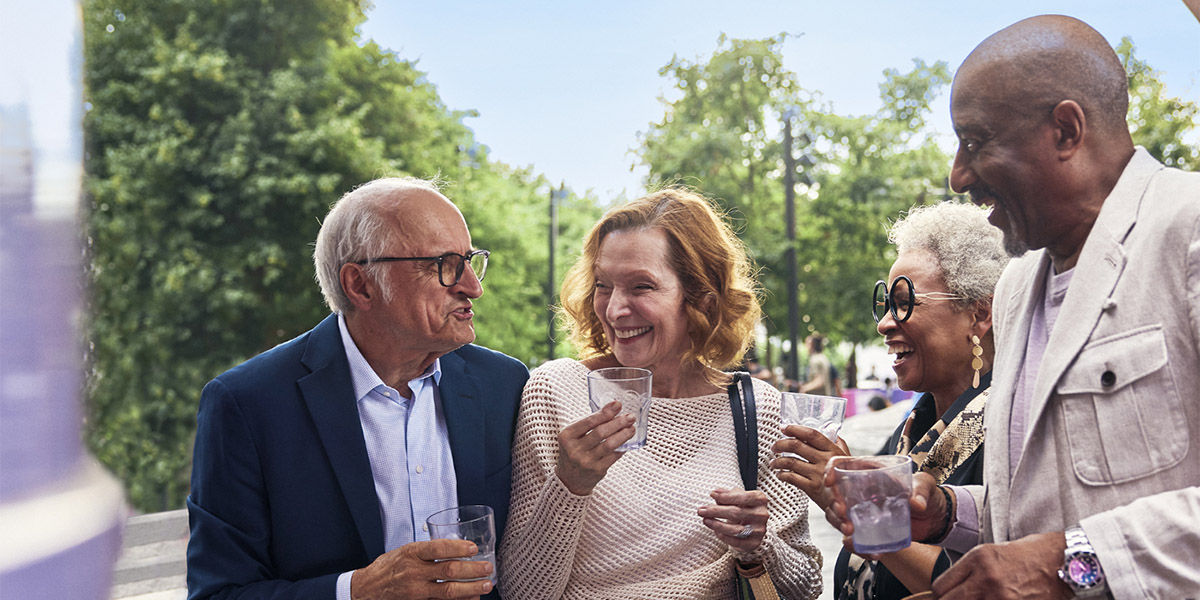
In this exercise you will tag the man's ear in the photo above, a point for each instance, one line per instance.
(1070, 126)
(357, 285)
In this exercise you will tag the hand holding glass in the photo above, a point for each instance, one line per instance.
(876, 490)
(629, 386)
(474, 523)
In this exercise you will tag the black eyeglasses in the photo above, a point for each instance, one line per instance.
(901, 299)
(450, 265)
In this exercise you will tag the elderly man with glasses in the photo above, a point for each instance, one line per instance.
(317, 462)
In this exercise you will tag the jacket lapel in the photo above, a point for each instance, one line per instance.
(1012, 334)
(466, 425)
(329, 394)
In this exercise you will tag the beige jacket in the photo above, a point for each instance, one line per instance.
(1113, 437)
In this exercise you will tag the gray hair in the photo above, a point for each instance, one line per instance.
(356, 228)
(969, 251)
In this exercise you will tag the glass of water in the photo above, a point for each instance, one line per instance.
(631, 387)
(823, 413)
(876, 491)
(474, 523)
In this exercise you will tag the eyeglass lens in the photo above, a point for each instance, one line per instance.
(451, 267)
(899, 299)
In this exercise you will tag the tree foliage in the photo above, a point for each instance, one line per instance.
(1158, 122)
(218, 135)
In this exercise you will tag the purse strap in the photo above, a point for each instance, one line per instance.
(745, 425)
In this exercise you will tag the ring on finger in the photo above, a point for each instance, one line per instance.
(746, 532)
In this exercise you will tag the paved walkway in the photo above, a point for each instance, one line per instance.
(865, 434)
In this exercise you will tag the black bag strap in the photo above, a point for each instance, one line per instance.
(745, 427)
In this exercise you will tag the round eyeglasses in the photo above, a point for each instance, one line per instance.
(450, 265)
(901, 299)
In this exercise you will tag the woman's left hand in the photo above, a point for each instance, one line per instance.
(739, 518)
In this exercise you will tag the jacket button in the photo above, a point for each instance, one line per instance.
(1108, 379)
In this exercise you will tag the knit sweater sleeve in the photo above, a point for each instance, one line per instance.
(545, 518)
(787, 551)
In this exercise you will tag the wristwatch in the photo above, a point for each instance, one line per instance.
(1081, 569)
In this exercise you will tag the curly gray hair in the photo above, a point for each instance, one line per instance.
(969, 251)
(356, 228)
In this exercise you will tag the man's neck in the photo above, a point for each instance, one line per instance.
(395, 366)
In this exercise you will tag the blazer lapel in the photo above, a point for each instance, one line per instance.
(465, 424)
(329, 394)
(1012, 340)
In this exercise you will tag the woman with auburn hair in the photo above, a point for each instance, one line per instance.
(663, 284)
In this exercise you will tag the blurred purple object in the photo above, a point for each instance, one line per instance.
(60, 513)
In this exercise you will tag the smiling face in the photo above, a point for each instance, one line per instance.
(1007, 158)
(639, 300)
(932, 347)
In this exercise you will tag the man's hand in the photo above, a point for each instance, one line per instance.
(812, 446)
(588, 447)
(409, 572)
(1026, 568)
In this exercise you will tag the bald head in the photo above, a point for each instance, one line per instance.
(1029, 67)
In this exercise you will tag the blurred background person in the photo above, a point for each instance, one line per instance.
(821, 379)
(935, 317)
(662, 284)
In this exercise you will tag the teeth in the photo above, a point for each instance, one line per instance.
(628, 333)
(899, 349)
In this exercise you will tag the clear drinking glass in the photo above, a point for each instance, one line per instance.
(876, 490)
(631, 387)
(474, 523)
(823, 413)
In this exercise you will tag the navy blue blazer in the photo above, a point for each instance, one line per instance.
(282, 498)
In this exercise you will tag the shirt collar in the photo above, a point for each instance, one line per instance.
(363, 377)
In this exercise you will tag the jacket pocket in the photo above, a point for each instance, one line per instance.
(1121, 408)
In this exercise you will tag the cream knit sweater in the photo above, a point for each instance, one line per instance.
(637, 535)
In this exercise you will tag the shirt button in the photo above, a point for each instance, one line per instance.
(420, 469)
(424, 527)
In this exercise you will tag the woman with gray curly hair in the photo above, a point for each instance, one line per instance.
(935, 315)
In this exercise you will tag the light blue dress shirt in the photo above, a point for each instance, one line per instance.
(408, 448)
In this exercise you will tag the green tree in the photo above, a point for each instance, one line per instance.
(218, 135)
(1158, 122)
(874, 167)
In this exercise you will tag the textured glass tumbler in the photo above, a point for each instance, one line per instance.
(631, 387)
(823, 413)
(876, 490)
(474, 523)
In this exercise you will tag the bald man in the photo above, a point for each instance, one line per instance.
(317, 462)
(1092, 459)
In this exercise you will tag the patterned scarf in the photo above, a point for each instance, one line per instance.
(942, 449)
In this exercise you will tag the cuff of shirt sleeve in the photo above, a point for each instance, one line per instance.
(964, 534)
(343, 585)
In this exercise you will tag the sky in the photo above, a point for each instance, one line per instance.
(565, 86)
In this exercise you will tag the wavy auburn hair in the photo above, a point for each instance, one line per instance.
(720, 293)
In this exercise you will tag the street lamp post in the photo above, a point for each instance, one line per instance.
(792, 368)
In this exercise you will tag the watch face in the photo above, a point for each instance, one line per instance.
(1084, 570)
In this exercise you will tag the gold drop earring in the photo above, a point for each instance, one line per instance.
(976, 360)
